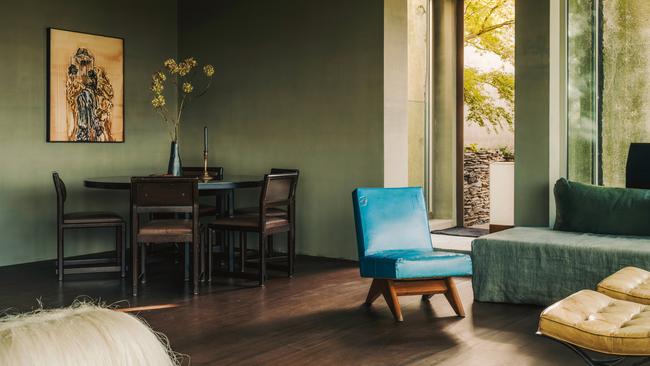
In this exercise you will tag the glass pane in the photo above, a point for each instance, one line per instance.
(607, 63)
(582, 91)
(625, 91)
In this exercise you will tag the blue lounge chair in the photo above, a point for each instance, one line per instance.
(395, 249)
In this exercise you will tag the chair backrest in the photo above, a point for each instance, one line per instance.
(164, 195)
(197, 171)
(61, 193)
(283, 170)
(278, 190)
(637, 169)
(390, 219)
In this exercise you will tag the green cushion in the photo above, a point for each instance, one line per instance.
(587, 208)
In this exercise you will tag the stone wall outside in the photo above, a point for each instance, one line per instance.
(476, 187)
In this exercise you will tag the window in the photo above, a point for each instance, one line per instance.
(608, 86)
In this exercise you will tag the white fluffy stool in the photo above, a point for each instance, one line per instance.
(83, 334)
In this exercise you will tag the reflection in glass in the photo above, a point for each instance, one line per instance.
(607, 86)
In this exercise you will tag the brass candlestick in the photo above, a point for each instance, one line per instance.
(206, 175)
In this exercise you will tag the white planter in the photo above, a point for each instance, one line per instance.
(502, 193)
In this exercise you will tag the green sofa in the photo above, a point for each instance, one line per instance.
(532, 265)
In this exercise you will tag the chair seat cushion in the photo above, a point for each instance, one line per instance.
(594, 321)
(208, 210)
(248, 222)
(91, 218)
(166, 227)
(415, 263)
(271, 212)
(630, 283)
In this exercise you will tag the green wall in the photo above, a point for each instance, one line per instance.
(28, 211)
(532, 112)
(298, 84)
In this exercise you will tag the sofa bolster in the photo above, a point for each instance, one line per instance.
(601, 210)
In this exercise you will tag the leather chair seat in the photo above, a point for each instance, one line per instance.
(597, 322)
(630, 283)
(208, 210)
(271, 212)
(166, 227)
(415, 263)
(91, 218)
(249, 222)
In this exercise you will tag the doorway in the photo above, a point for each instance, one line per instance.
(461, 110)
(487, 115)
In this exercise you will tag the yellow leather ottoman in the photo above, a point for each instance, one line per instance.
(594, 321)
(630, 283)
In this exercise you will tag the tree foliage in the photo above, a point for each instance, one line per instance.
(489, 95)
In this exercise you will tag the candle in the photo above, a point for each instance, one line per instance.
(205, 139)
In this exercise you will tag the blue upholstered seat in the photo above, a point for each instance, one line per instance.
(394, 240)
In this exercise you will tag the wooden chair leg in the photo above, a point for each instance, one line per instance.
(376, 289)
(59, 250)
(202, 254)
(291, 253)
(290, 250)
(134, 265)
(242, 251)
(262, 255)
(118, 244)
(123, 250)
(210, 237)
(269, 246)
(195, 264)
(186, 261)
(390, 295)
(230, 250)
(453, 297)
(143, 262)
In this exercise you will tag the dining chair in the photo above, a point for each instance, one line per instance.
(206, 210)
(272, 212)
(164, 195)
(278, 191)
(87, 220)
(395, 249)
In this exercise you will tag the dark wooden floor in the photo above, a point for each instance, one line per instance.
(314, 319)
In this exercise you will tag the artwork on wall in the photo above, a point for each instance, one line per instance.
(85, 87)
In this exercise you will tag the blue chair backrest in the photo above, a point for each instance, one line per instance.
(390, 219)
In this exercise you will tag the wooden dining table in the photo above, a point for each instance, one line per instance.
(226, 183)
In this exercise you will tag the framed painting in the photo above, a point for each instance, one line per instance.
(85, 89)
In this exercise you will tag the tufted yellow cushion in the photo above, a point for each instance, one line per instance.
(630, 283)
(594, 321)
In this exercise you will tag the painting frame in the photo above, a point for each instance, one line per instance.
(52, 83)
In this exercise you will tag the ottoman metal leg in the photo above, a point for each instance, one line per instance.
(595, 361)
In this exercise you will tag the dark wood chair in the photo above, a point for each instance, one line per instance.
(86, 220)
(278, 191)
(272, 212)
(208, 210)
(164, 195)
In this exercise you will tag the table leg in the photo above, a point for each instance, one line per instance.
(230, 235)
(231, 251)
(187, 261)
(231, 203)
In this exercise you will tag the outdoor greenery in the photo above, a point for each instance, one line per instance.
(490, 95)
